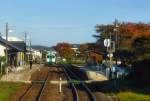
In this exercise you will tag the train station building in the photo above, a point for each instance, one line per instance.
(16, 51)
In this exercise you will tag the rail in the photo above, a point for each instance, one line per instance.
(92, 97)
(42, 89)
(74, 90)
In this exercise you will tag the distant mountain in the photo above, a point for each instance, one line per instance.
(40, 47)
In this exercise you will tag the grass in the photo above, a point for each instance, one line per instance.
(7, 89)
(132, 96)
(129, 96)
(128, 92)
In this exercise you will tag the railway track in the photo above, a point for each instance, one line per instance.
(40, 88)
(46, 91)
(74, 90)
(81, 92)
(35, 89)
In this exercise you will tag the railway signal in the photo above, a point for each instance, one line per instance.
(107, 42)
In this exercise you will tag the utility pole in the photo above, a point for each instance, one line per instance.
(30, 49)
(116, 28)
(25, 48)
(30, 58)
(25, 35)
(116, 39)
(110, 57)
(6, 51)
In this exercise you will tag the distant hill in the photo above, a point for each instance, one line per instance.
(40, 47)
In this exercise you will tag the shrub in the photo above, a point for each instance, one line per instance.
(141, 74)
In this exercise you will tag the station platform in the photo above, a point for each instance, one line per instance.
(22, 73)
(93, 73)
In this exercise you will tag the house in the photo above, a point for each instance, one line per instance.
(16, 50)
(94, 58)
(75, 47)
(2, 52)
(36, 55)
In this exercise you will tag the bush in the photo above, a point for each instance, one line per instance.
(2, 58)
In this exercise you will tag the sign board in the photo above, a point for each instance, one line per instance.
(107, 42)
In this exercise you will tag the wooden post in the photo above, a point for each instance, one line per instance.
(60, 85)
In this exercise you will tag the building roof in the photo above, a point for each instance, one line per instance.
(19, 44)
(11, 46)
(12, 38)
(75, 45)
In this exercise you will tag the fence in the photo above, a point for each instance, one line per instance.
(112, 73)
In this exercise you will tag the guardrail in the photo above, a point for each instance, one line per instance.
(106, 71)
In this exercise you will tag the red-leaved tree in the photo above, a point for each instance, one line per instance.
(64, 50)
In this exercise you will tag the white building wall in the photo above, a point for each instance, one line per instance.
(2, 52)
(36, 54)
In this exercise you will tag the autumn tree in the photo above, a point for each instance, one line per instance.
(133, 47)
(131, 38)
(65, 51)
(125, 33)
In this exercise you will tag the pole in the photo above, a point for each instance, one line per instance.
(30, 58)
(6, 51)
(116, 39)
(60, 88)
(110, 58)
(25, 58)
(30, 48)
(1, 68)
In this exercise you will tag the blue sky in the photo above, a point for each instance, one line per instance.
(51, 21)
